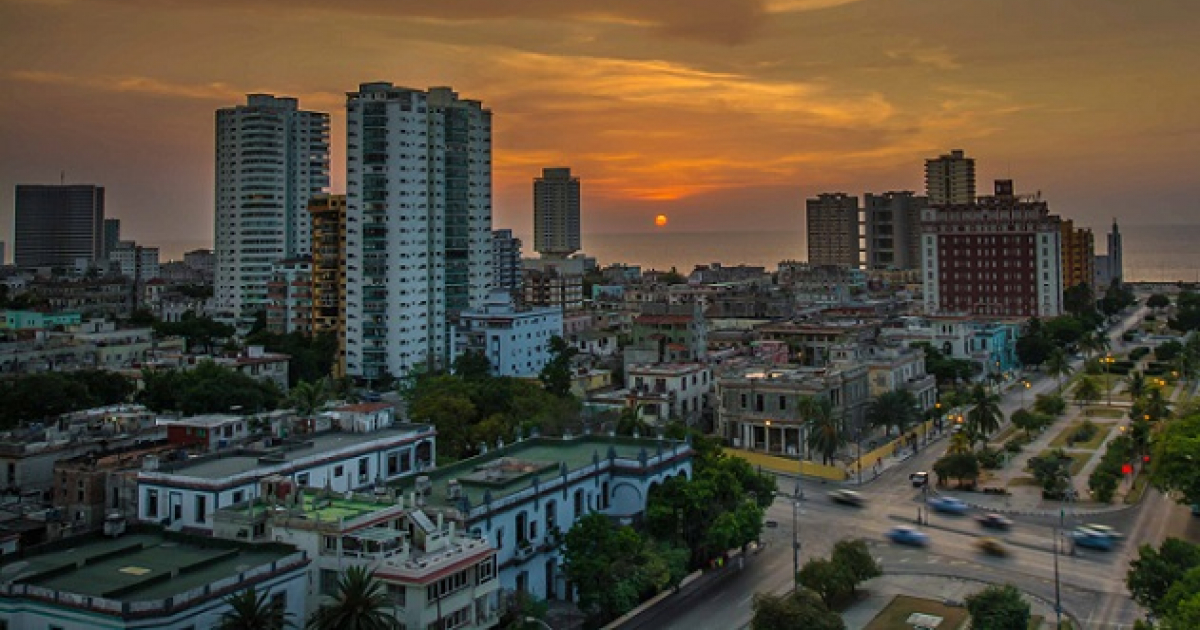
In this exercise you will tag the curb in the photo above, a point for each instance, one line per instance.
(1065, 611)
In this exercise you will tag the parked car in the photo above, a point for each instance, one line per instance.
(919, 479)
(1092, 539)
(995, 521)
(846, 497)
(902, 535)
(949, 505)
(991, 547)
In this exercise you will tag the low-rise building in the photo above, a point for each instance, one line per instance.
(144, 578)
(516, 341)
(89, 488)
(37, 320)
(900, 368)
(669, 391)
(209, 432)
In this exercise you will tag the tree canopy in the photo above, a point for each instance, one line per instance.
(207, 388)
(35, 397)
(1174, 466)
(998, 608)
(799, 609)
(1155, 571)
(897, 408)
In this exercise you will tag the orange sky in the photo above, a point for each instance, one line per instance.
(721, 115)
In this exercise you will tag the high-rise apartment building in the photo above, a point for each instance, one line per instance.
(893, 230)
(950, 179)
(1078, 256)
(136, 262)
(112, 236)
(1116, 258)
(556, 213)
(56, 226)
(272, 157)
(329, 270)
(419, 217)
(506, 261)
(999, 256)
(832, 221)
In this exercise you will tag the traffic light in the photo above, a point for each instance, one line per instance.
(1145, 459)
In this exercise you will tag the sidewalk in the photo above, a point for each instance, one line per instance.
(941, 589)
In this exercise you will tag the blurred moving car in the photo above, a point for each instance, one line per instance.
(846, 497)
(919, 479)
(991, 546)
(903, 535)
(995, 521)
(949, 505)
(1092, 539)
(1105, 529)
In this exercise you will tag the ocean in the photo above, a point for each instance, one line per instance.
(1153, 253)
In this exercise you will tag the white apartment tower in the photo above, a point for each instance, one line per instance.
(418, 223)
(271, 158)
(556, 213)
(950, 179)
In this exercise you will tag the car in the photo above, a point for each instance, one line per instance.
(949, 505)
(991, 546)
(1105, 529)
(1091, 539)
(995, 521)
(902, 535)
(919, 479)
(846, 497)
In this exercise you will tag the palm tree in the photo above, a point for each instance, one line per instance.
(897, 408)
(1155, 406)
(251, 610)
(1093, 342)
(825, 428)
(308, 397)
(959, 443)
(985, 415)
(1087, 391)
(1058, 366)
(361, 603)
(1135, 384)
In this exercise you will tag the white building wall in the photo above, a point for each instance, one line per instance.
(1049, 273)
(929, 272)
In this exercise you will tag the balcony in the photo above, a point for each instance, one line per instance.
(524, 551)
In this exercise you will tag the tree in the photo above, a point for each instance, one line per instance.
(825, 427)
(472, 365)
(946, 369)
(1135, 384)
(1053, 472)
(1086, 391)
(1176, 452)
(1155, 405)
(1079, 299)
(1065, 331)
(308, 397)
(897, 408)
(1027, 421)
(1058, 365)
(855, 556)
(1152, 574)
(207, 388)
(612, 567)
(961, 467)
(960, 443)
(985, 415)
(799, 609)
(556, 375)
(361, 602)
(1093, 342)
(1034, 345)
(36, 397)
(1158, 300)
(251, 610)
(1051, 405)
(1167, 350)
(141, 318)
(998, 608)
(198, 332)
(827, 579)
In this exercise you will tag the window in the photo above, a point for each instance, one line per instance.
(201, 508)
(239, 496)
(362, 469)
(329, 582)
(578, 503)
(783, 403)
(338, 471)
(152, 504)
(302, 480)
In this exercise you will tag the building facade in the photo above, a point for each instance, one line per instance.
(506, 261)
(950, 179)
(893, 230)
(57, 226)
(136, 262)
(329, 271)
(832, 223)
(1001, 256)
(112, 235)
(556, 224)
(419, 211)
(290, 295)
(272, 157)
(552, 282)
(1078, 256)
(516, 341)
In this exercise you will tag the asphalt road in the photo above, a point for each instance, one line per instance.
(1091, 582)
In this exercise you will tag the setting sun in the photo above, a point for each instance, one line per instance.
(660, 220)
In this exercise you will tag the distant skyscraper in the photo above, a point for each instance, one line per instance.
(893, 229)
(506, 261)
(1078, 256)
(272, 158)
(1116, 258)
(112, 236)
(999, 256)
(58, 225)
(832, 220)
(556, 213)
(136, 262)
(950, 179)
(419, 203)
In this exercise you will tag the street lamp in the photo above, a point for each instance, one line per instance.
(1024, 386)
(858, 463)
(796, 540)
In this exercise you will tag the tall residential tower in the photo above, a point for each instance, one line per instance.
(950, 179)
(556, 213)
(893, 229)
(272, 157)
(832, 222)
(419, 223)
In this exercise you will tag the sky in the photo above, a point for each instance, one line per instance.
(722, 115)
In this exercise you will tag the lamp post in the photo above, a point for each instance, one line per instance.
(795, 541)
(858, 462)
(1024, 386)
(1108, 360)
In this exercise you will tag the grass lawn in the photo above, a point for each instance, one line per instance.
(1002, 436)
(1078, 460)
(1023, 481)
(1105, 412)
(1139, 488)
(1102, 429)
(1035, 622)
(901, 606)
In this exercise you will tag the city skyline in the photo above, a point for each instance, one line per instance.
(726, 119)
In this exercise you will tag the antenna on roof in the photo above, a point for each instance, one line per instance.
(62, 178)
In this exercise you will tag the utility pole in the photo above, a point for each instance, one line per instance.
(1057, 596)
(796, 538)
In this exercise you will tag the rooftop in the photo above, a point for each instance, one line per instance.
(142, 566)
(209, 420)
(244, 461)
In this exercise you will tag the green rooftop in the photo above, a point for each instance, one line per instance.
(317, 506)
(511, 469)
(141, 566)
